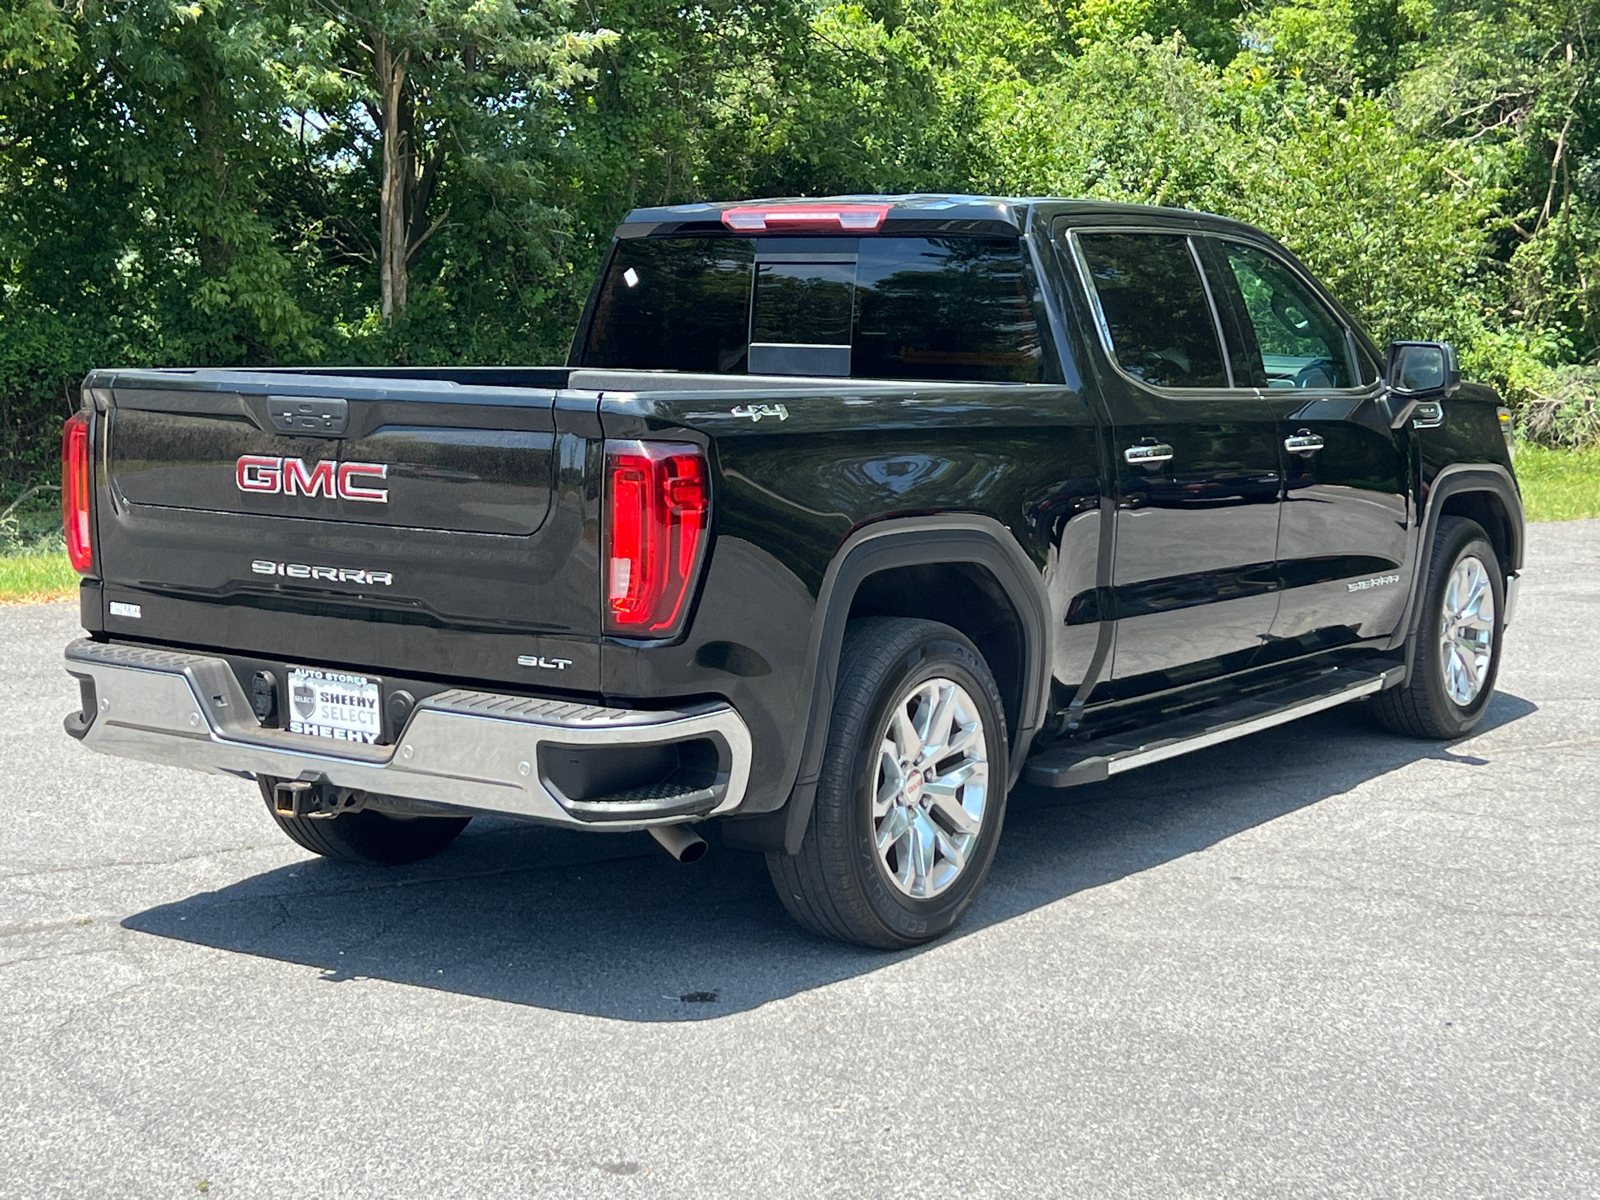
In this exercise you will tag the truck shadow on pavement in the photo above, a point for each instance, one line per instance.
(609, 926)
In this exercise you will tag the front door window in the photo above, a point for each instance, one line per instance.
(1300, 343)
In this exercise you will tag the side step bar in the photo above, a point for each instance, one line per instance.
(1090, 762)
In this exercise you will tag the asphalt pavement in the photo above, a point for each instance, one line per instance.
(1322, 961)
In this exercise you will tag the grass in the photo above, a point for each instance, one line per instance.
(1557, 485)
(35, 578)
(33, 563)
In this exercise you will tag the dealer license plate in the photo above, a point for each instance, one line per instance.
(334, 705)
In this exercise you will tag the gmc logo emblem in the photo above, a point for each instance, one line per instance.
(271, 476)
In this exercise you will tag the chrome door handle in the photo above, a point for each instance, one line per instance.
(1304, 442)
(1145, 454)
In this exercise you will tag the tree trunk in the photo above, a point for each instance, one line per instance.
(397, 170)
(211, 137)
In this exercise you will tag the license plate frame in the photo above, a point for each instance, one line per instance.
(336, 706)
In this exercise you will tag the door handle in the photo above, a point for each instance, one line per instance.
(1148, 452)
(1304, 442)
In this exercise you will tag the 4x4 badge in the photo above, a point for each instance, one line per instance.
(756, 411)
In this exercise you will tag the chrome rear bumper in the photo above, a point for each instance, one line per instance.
(475, 750)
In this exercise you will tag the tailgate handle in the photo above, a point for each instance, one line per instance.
(308, 418)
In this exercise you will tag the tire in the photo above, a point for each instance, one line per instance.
(1433, 703)
(368, 836)
(839, 885)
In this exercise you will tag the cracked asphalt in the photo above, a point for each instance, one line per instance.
(1323, 961)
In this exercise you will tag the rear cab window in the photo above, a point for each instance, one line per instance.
(958, 308)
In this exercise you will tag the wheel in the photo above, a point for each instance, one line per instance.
(1455, 637)
(368, 836)
(912, 793)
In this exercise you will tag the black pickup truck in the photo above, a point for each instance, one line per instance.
(844, 517)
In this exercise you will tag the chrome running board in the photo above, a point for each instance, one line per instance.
(1076, 763)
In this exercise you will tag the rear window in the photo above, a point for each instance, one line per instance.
(958, 308)
(676, 305)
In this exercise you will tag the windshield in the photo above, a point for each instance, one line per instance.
(956, 308)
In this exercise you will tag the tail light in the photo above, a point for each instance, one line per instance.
(75, 492)
(658, 510)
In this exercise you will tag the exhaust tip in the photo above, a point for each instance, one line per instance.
(683, 843)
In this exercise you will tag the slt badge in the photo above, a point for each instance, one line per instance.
(539, 660)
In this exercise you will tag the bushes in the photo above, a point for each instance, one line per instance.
(1568, 414)
(42, 358)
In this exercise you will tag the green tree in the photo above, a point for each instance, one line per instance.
(254, 181)
(135, 144)
(426, 88)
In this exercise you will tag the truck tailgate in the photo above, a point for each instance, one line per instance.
(382, 523)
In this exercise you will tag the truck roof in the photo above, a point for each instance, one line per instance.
(914, 213)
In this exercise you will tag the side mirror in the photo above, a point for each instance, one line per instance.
(1419, 373)
(1426, 370)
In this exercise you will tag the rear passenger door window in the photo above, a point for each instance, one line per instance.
(1156, 313)
(1299, 343)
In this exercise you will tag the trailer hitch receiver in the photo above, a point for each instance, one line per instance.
(314, 798)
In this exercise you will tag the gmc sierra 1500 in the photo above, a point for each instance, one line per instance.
(844, 516)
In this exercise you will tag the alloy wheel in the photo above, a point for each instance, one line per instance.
(932, 787)
(1466, 630)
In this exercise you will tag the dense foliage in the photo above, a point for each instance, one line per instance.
(418, 181)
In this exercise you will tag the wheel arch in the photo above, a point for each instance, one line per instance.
(1488, 509)
(966, 596)
(1483, 492)
(994, 594)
